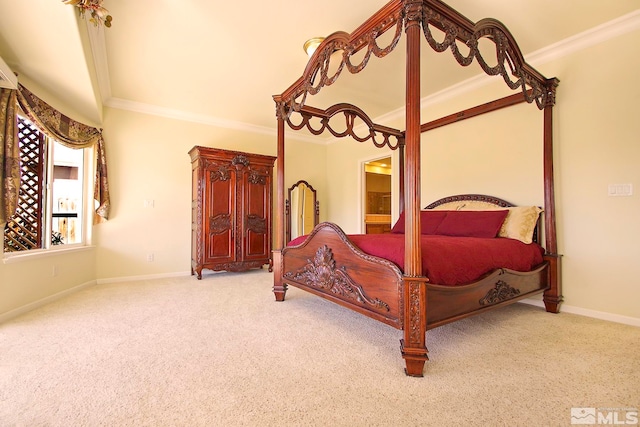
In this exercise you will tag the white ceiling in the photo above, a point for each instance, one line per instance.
(221, 62)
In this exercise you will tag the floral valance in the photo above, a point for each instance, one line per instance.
(66, 131)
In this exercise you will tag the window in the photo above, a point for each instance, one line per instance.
(52, 198)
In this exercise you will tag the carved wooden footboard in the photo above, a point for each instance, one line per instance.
(328, 264)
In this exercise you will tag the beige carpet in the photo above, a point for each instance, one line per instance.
(222, 352)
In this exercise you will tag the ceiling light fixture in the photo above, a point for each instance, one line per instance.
(98, 14)
(312, 44)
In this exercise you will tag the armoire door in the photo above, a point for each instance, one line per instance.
(219, 212)
(256, 213)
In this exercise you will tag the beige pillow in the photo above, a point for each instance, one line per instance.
(519, 223)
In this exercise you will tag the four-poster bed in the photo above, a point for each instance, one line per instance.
(401, 291)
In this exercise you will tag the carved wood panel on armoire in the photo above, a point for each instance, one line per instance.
(230, 210)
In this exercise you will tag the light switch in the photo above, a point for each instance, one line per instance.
(620, 189)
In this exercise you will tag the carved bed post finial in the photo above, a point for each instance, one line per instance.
(282, 111)
(552, 85)
(413, 10)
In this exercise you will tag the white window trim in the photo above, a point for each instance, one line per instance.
(15, 257)
(87, 218)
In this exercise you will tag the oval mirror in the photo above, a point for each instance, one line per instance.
(302, 210)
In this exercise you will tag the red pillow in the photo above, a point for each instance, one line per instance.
(472, 223)
(429, 221)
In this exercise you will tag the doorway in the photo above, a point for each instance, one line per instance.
(377, 197)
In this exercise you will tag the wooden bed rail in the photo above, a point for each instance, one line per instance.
(488, 107)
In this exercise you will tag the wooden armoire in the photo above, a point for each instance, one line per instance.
(230, 210)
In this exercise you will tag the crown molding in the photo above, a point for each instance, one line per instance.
(614, 28)
(601, 33)
(154, 110)
(187, 116)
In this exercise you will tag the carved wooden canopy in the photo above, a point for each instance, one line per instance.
(461, 37)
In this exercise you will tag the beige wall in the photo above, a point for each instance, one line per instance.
(498, 153)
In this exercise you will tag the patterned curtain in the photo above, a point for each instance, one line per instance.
(9, 155)
(71, 134)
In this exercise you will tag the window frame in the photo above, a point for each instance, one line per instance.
(85, 210)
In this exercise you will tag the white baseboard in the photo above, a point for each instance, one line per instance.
(44, 301)
(142, 277)
(611, 317)
(152, 276)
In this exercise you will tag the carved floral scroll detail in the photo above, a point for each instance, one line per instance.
(221, 174)
(322, 273)
(415, 334)
(501, 292)
(240, 159)
(219, 223)
(256, 224)
(257, 178)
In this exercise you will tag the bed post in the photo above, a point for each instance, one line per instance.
(413, 345)
(401, 176)
(279, 288)
(553, 296)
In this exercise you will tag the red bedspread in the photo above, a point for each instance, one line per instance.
(450, 260)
